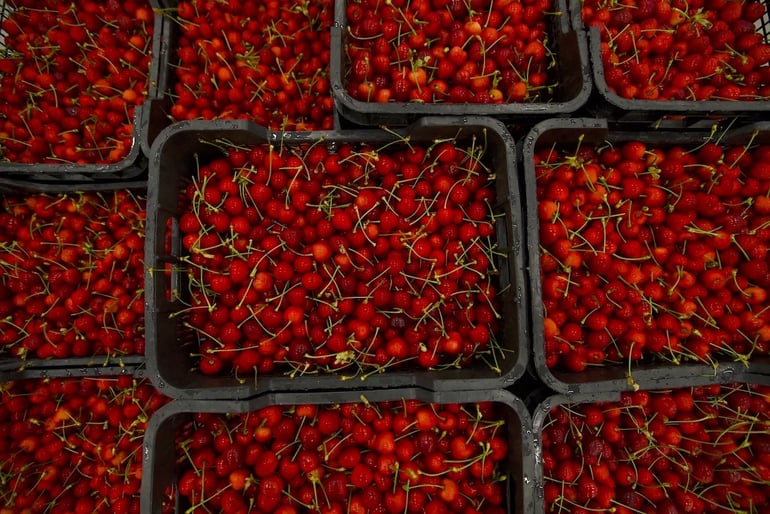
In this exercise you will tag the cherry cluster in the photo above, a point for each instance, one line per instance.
(263, 61)
(73, 444)
(305, 260)
(654, 252)
(683, 49)
(72, 275)
(386, 457)
(451, 51)
(72, 74)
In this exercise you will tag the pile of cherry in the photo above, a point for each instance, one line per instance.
(263, 61)
(303, 260)
(388, 457)
(72, 74)
(72, 275)
(683, 49)
(695, 450)
(73, 445)
(654, 252)
(436, 51)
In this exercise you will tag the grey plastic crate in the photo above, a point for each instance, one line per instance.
(160, 469)
(74, 368)
(682, 113)
(168, 347)
(131, 167)
(572, 73)
(12, 369)
(646, 374)
(101, 364)
(19, 462)
(545, 403)
(154, 115)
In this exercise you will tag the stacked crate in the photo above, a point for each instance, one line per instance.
(73, 186)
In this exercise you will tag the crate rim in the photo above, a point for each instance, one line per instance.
(173, 410)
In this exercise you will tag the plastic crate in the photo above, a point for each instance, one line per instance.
(672, 113)
(644, 374)
(128, 168)
(570, 403)
(155, 114)
(160, 458)
(574, 83)
(168, 346)
(11, 366)
(62, 410)
(68, 367)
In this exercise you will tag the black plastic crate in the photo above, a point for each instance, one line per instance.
(655, 113)
(130, 167)
(156, 112)
(169, 345)
(630, 405)
(571, 93)
(623, 376)
(161, 469)
(11, 366)
(78, 408)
